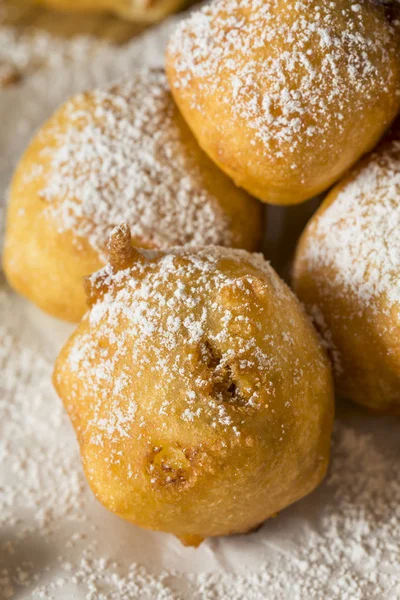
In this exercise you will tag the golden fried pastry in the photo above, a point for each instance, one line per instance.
(286, 96)
(347, 272)
(108, 156)
(201, 397)
(134, 10)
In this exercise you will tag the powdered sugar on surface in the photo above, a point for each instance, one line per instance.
(120, 155)
(57, 542)
(278, 92)
(358, 235)
(28, 53)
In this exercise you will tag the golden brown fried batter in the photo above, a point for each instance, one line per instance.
(200, 395)
(347, 272)
(285, 96)
(133, 10)
(108, 156)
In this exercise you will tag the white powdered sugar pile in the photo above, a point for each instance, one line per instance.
(57, 542)
(220, 52)
(26, 54)
(358, 235)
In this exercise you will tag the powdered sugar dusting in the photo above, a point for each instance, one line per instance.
(121, 157)
(84, 63)
(170, 301)
(286, 100)
(27, 53)
(358, 235)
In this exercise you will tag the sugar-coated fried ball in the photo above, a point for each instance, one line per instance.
(347, 273)
(285, 96)
(120, 154)
(200, 394)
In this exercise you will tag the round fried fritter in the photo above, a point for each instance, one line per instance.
(347, 272)
(285, 96)
(108, 156)
(200, 394)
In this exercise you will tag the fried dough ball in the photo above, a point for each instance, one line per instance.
(200, 394)
(108, 156)
(285, 96)
(133, 10)
(347, 272)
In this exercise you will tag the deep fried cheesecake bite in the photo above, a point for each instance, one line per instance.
(200, 394)
(285, 96)
(347, 273)
(121, 154)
